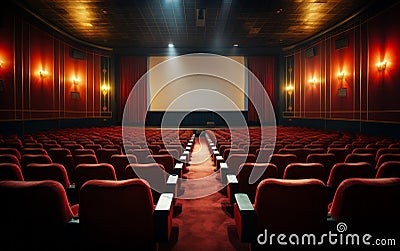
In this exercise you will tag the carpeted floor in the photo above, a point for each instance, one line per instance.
(205, 223)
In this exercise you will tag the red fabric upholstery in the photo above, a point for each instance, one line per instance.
(32, 159)
(119, 162)
(264, 155)
(12, 151)
(153, 173)
(360, 157)
(382, 151)
(328, 160)
(343, 171)
(235, 160)
(104, 154)
(141, 155)
(305, 171)
(85, 159)
(301, 153)
(230, 151)
(281, 161)
(36, 214)
(54, 171)
(166, 160)
(85, 172)
(108, 217)
(246, 169)
(63, 156)
(9, 158)
(291, 206)
(387, 157)
(389, 169)
(10, 171)
(35, 151)
(368, 204)
(340, 153)
(82, 151)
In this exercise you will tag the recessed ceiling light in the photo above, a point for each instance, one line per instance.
(235, 44)
(279, 11)
(170, 45)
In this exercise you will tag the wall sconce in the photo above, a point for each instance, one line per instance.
(1, 64)
(340, 75)
(313, 81)
(105, 88)
(43, 73)
(289, 90)
(381, 65)
(75, 81)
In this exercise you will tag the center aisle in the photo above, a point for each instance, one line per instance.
(203, 223)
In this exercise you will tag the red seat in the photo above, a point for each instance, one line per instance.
(12, 151)
(246, 184)
(301, 153)
(282, 206)
(166, 160)
(35, 151)
(382, 151)
(85, 172)
(305, 171)
(141, 155)
(109, 220)
(229, 151)
(82, 151)
(340, 153)
(387, 157)
(85, 159)
(63, 156)
(54, 171)
(360, 157)
(117, 147)
(389, 169)
(104, 154)
(328, 160)
(10, 171)
(32, 159)
(235, 160)
(154, 148)
(281, 161)
(37, 215)
(9, 158)
(368, 205)
(343, 171)
(119, 162)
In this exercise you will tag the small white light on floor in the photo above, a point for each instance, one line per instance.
(170, 45)
(235, 44)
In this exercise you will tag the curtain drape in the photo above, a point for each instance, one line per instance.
(132, 68)
(263, 67)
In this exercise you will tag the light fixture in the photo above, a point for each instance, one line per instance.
(1, 64)
(43, 73)
(312, 81)
(381, 65)
(235, 45)
(75, 81)
(290, 89)
(105, 88)
(171, 45)
(340, 75)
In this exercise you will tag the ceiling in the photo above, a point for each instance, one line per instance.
(155, 23)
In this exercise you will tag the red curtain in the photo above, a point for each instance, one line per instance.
(132, 68)
(263, 67)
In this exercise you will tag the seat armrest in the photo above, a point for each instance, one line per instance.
(172, 184)
(233, 187)
(245, 218)
(178, 169)
(224, 172)
(163, 217)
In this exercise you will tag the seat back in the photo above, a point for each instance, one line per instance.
(291, 206)
(262, 170)
(85, 172)
(328, 160)
(235, 160)
(360, 157)
(389, 169)
(305, 171)
(35, 151)
(281, 161)
(10, 171)
(104, 207)
(54, 171)
(37, 213)
(343, 171)
(166, 160)
(141, 155)
(387, 157)
(119, 162)
(368, 205)
(85, 159)
(264, 155)
(12, 151)
(27, 159)
(104, 154)
(382, 151)
(9, 158)
(340, 153)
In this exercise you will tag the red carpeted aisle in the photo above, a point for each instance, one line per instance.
(205, 223)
